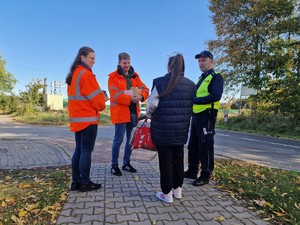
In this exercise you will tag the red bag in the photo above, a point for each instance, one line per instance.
(141, 137)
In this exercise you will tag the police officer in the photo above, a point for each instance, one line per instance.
(205, 108)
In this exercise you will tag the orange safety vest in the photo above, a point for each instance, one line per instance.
(120, 102)
(85, 99)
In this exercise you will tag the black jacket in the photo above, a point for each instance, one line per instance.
(171, 120)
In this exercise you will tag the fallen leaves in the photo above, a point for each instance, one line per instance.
(219, 218)
(241, 191)
(273, 193)
(279, 213)
(63, 196)
(22, 213)
(17, 220)
(32, 206)
(24, 186)
(23, 199)
(217, 196)
(137, 178)
(261, 203)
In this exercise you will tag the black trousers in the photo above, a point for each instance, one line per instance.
(201, 145)
(171, 167)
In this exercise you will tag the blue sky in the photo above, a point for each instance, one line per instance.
(40, 39)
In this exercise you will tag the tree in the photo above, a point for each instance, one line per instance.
(31, 97)
(258, 45)
(7, 80)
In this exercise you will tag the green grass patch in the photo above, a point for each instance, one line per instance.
(105, 117)
(264, 124)
(33, 196)
(56, 118)
(45, 118)
(274, 193)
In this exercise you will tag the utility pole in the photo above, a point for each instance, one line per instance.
(54, 91)
(45, 86)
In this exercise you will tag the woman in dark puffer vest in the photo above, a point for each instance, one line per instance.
(170, 126)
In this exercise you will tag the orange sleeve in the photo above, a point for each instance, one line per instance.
(91, 89)
(145, 90)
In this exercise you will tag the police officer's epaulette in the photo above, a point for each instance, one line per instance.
(214, 73)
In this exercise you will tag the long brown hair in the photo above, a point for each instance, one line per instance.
(82, 51)
(176, 69)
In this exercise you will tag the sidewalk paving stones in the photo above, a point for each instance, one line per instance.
(129, 199)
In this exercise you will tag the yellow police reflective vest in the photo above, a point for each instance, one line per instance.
(202, 92)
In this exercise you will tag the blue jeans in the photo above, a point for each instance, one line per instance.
(82, 157)
(120, 129)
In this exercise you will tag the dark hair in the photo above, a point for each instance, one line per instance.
(123, 55)
(82, 51)
(176, 69)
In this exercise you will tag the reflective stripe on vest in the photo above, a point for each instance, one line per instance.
(78, 96)
(84, 119)
(113, 88)
(117, 94)
(202, 92)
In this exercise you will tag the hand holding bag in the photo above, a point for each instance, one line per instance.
(141, 137)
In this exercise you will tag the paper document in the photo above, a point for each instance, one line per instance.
(136, 91)
(128, 92)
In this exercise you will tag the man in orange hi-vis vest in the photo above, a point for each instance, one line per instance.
(126, 91)
(85, 100)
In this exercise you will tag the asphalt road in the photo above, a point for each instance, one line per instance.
(274, 152)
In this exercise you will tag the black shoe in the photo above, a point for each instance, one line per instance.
(128, 168)
(116, 171)
(75, 186)
(90, 186)
(200, 182)
(189, 174)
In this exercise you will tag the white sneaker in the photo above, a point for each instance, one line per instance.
(177, 192)
(165, 197)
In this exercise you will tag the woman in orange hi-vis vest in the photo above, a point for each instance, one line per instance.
(85, 100)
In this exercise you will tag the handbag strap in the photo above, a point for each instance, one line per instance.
(144, 124)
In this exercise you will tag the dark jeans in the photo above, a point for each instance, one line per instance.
(82, 157)
(201, 146)
(120, 129)
(171, 167)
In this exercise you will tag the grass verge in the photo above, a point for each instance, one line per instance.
(273, 193)
(265, 124)
(44, 118)
(33, 196)
(53, 118)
